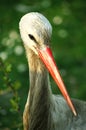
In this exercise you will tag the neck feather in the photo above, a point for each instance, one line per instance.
(39, 93)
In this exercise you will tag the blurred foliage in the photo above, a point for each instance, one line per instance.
(68, 19)
(9, 95)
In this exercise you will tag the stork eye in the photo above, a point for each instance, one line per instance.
(31, 37)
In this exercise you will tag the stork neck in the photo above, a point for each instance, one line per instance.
(39, 78)
(40, 94)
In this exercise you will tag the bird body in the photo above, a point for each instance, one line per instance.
(43, 110)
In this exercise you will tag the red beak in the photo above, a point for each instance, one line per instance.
(45, 54)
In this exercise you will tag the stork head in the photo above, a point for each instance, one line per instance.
(35, 32)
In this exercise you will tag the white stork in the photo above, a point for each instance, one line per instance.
(43, 110)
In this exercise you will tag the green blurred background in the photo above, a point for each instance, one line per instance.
(68, 19)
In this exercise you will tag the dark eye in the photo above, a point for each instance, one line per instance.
(31, 37)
